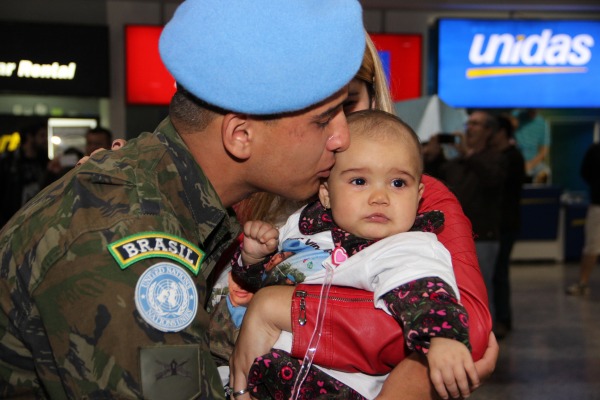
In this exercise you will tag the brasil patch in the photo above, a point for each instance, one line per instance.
(166, 297)
(134, 248)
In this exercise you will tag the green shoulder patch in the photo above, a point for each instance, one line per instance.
(134, 248)
(170, 372)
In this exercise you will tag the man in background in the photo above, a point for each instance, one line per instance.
(97, 138)
(510, 222)
(477, 177)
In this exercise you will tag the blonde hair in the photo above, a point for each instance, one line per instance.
(275, 209)
(371, 71)
(267, 207)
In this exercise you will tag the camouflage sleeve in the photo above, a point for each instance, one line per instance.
(79, 332)
(76, 321)
(18, 377)
(428, 308)
(223, 333)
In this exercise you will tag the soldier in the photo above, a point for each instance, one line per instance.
(104, 273)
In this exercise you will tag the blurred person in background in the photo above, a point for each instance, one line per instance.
(477, 177)
(61, 164)
(590, 172)
(439, 149)
(23, 172)
(533, 140)
(433, 156)
(97, 138)
(510, 222)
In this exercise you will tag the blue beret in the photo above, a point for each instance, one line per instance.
(264, 56)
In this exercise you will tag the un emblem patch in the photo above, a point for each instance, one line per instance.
(166, 297)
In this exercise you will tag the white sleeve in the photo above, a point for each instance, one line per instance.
(394, 261)
(290, 227)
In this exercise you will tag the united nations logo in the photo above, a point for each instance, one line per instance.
(166, 297)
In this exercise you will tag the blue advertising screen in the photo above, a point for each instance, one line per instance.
(519, 63)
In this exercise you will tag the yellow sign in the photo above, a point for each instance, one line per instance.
(9, 142)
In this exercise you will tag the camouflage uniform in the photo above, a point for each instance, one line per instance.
(69, 325)
(222, 333)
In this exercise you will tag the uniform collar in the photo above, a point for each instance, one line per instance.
(216, 225)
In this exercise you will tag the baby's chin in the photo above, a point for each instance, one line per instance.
(375, 236)
(371, 236)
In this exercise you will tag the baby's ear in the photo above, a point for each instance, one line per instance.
(324, 195)
(421, 190)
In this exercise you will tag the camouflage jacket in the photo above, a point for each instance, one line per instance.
(222, 333)
(103, 279)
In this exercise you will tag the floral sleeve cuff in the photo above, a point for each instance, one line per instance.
(428, 308)
(250, 277)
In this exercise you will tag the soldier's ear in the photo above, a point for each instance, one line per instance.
(236, 135)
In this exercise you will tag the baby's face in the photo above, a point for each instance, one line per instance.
(374, 187)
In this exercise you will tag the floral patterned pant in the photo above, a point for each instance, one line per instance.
(273, 375)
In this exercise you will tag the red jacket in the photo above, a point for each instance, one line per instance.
(358, 335)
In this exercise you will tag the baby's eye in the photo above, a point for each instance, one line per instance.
(398, 183)
(358, 181)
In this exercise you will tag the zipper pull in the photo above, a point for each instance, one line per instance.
(302, 316)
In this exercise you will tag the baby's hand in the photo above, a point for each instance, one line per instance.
(451, 368)
(260, 239)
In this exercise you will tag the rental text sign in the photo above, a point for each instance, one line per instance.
(52, 59)
(519, 63)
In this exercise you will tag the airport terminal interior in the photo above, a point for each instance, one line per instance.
(553, 349)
